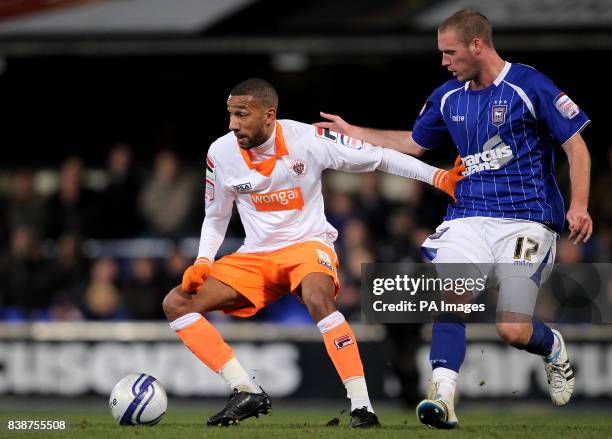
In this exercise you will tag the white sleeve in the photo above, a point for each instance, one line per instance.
(395, 162)
(218, 202)
(345, 153)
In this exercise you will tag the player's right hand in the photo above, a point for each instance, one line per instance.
(580, 224)
(337, 124)
(195, 275)
(447, 180)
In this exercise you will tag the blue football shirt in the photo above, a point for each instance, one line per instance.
(507, 135)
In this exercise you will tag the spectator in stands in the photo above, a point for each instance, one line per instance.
(3, 223)
(118, 214)
(144, 291)
(354, 234)
(568, 253)
(400, 246)
(73, 208)
(371, 206)
(174, 267)
(24, 206)
(601, 203)
(349, 302)
(167, 199)
(102, 299)
(25, 277)
(69, 273)
(339, 208)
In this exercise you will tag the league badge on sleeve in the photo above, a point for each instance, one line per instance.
(326, 133)
(209, 194)
(566, 106)
(342, 139)
(210, 169)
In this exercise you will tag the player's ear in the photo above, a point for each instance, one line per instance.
(270, 113)
(476, 46)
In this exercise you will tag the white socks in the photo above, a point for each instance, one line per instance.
(330, 322)
(237, 377)
(357, 392)
(445, 380)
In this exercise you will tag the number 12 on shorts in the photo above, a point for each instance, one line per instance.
(530, 248)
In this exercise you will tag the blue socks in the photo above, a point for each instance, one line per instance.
(542, 338)
(448, 342)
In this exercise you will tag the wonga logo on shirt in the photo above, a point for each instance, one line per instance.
(285, 199)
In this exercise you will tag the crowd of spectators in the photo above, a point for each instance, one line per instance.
(48, 218)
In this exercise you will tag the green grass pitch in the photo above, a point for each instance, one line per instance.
(309, 422)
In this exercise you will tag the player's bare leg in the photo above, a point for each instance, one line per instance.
(317, 292)
(185, 314)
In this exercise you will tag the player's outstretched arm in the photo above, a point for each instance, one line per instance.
(406, 166)
(578, 217)
(348, 154)
(398, 140)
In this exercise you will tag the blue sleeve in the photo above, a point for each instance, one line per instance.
(560, 114)
(430, 129)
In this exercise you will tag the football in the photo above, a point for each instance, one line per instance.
(138, 399)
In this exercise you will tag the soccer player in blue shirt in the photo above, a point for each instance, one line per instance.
(507, 121)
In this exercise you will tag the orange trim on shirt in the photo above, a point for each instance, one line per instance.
(267, 166)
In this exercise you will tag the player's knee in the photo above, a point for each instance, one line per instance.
(174, 305)
(515, 334)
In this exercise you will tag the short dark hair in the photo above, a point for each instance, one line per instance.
(469, 24)
(261, 90)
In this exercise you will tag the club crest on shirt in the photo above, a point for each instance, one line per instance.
(297, 168)
(498, 114)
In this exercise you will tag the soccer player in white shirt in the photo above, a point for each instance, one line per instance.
(271, 169)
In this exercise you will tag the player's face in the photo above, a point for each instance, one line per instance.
(457, 57)
(250, 121)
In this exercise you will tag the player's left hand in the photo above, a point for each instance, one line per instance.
(195, 275)
(580, 224)
(447, 180)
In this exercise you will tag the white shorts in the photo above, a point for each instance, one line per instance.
(503, 248)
